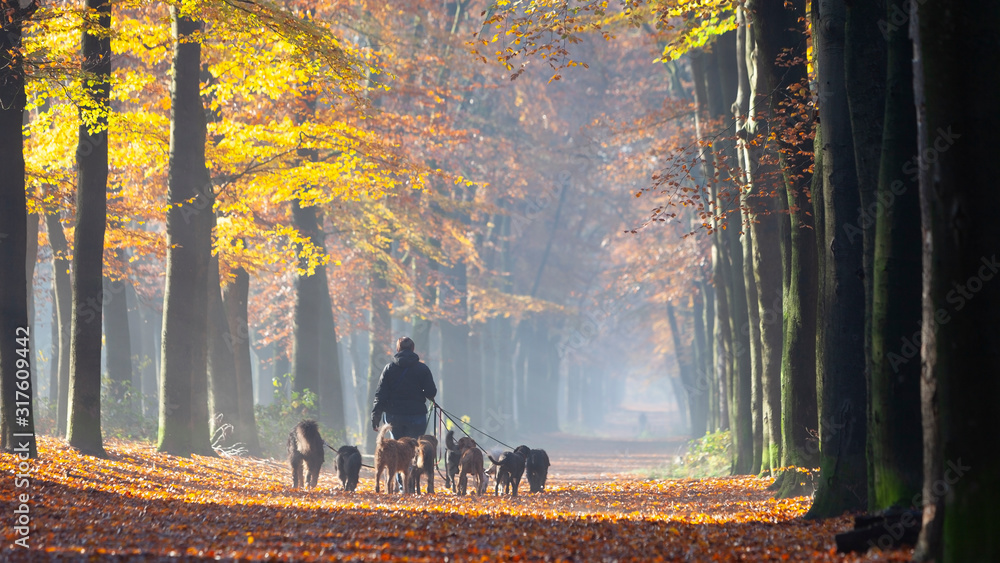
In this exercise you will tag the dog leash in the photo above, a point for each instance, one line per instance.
(338, 451)
(459, 425)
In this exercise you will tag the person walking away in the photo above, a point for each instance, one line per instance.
(403, 389)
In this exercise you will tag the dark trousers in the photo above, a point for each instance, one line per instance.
(412, 425)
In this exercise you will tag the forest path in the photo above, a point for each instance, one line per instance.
(140, 505)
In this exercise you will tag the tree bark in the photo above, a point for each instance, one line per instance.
(235, 298)
(955, 44)
(380, 350)
(118, 340)
(843, 483)
(14, 335)
(223, 395)
(184, 424)
(64, 308)
(894, 436)
(84, 412)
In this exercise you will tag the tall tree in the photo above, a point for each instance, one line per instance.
(64, 307)
(84, 413)
(953, 42)
(843, 483)
(894, 436)
(14, 342)
(235, 297)
(184, 424)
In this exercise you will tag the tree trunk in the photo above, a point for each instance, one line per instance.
(843, 483)
(118, 340)
(308, 300)
(380, 350)
(223, 395)
(235, 298)
(331, 390)
(455, 345)
(64, 307)
(697, 412)
(84, 412)
(17, 428)
(895, 440)
(184, 425)
(956, 43)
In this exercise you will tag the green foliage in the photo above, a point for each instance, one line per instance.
(122, 417)
(708, 456)
(276, 420)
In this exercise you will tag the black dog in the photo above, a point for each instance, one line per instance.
(509, 469)
(348, 466)
(451, 460)
(536, 463)
(305, 445)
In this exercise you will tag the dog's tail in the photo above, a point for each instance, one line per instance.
(449, 440)
(494, 461)
(386, 428)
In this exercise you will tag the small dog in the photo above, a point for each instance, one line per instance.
(348, 466)
(509, 468)
(395, 456)
(451, 461)
(423, 464)
(471, 463)
(536, 462)
(305, 446)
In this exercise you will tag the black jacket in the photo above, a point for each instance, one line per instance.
(405, 383)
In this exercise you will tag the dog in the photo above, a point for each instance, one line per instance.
(508, 468)
(305, 446)
(348, 467)
(536, 463)
(471, 463)
(423, 464)
(451, 461)
(395, 456)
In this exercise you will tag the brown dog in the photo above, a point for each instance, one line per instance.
(471, 463)
(395, 456)
(423, 464)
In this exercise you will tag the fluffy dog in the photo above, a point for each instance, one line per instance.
(423, 464)
(509, 469)
(305, 446)
(395, 456)
(348, 466)
(536, 462)
(471, 463)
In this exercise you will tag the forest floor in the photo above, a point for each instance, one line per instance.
(142, 505)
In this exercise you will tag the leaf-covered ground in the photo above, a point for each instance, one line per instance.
(141, 505)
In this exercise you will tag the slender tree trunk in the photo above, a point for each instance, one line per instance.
(235, 298)
(843, 483)
(184, 425)
(17, 430)
(64, 308)
(865, 66)
(308, 300)
(455, 345)
(223, 397)
(118, 340)
(331, 390)
(380, 349)
(957, 122)
(894, 436)
(84, 413)
(697, 409)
